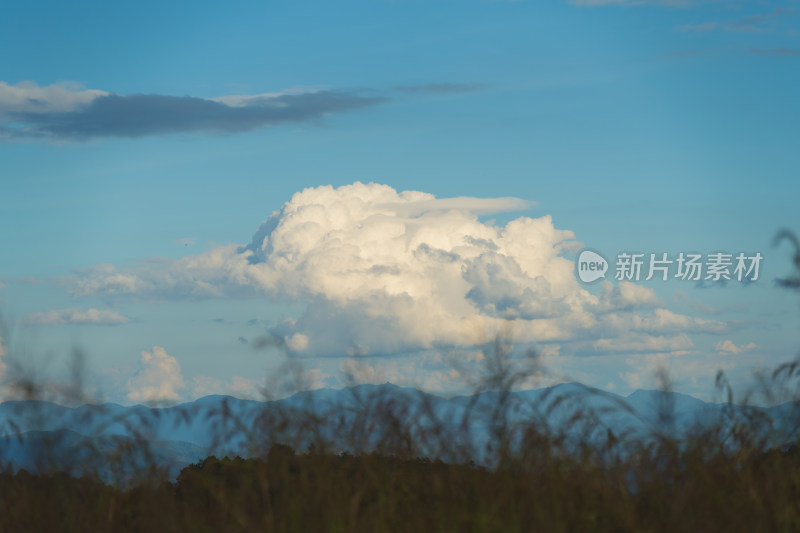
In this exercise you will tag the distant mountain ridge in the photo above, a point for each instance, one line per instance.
(359, 417)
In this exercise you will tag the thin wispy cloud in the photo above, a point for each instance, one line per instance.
(60, 317)
(689, 53)
(760, 22)
(27, 96)
(440, 88)
(67, 113)
(765, 22)
(706, 26)
(186, 241)
(591, 3)
(682, 298)
(776, 52)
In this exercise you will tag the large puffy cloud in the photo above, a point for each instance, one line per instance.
(159, 378)
(384, 271)
(70, 112)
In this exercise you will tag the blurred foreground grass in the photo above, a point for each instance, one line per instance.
(390, 465)
(662, 488)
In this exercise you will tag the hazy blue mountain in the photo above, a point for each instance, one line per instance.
(35, 434)
(116, 459)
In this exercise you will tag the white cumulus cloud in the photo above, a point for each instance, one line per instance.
(159, 378)
(383, 271)
(728, 347)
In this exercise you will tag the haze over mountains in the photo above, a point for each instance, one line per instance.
(39, 435)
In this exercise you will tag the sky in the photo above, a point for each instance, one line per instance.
(278, 195)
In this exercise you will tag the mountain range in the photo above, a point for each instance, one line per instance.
(118, 442)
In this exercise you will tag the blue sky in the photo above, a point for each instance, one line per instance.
(143, 146)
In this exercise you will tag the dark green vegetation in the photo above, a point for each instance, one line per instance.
(699, 489)
(727, 475)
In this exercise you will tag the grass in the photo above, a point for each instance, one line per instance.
(661, 488)
(725, 476)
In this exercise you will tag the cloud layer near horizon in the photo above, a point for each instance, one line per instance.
(384, 272)
(68, 112)
(98, 317)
